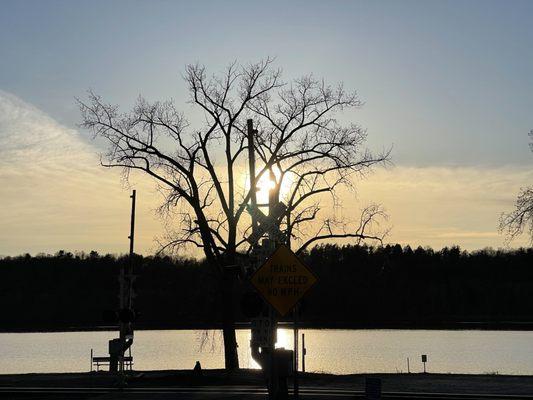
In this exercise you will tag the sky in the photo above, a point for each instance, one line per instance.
(447, 84)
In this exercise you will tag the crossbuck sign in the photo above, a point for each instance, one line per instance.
(267, 224)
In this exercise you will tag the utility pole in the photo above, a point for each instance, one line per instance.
(131, 237)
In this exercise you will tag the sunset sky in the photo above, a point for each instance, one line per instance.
(447, 84)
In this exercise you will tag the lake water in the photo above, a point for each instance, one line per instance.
(335, 351)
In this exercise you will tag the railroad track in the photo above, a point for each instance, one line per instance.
(307, 392)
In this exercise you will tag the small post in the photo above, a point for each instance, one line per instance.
(408, 370)
(424, 360)
(304, 352)
(91, 368)
(273, 379)
(295, 367)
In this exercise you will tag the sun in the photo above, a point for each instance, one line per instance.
(264, 186)
(267, 183)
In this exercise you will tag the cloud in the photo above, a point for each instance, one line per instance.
(27, 133)
(442, 206)
(56, 195)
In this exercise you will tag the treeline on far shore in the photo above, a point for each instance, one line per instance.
(358, 286)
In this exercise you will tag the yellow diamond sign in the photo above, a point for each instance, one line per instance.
(283, 279)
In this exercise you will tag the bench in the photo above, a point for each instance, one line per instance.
(105, 361)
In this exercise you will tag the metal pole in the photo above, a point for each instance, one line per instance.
(126, 294)
(273, 382)
(254, 258)
(132, 224)
(267, 360)
(304, 351)
(408, 369)
(131, 237)
(251, 167)
(274, 379)
(295, 367)
(122, 327)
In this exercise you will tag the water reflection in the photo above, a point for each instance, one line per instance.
(336, 351)
(285, 339)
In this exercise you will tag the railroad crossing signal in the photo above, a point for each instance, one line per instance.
(267, 224)
(283, 280)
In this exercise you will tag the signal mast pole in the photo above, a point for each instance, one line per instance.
(126, 291)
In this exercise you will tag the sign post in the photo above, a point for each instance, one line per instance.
(295, 340)
(424, 361)
(282, 281)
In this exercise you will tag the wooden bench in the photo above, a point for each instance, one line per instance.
(105, 361)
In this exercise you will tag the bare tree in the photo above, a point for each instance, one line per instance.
(299, 143)
(514, 224)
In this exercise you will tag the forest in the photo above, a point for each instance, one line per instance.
(358, 287)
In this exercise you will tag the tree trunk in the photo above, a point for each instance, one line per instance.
(231, 357)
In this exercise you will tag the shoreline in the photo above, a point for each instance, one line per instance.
(475, 325)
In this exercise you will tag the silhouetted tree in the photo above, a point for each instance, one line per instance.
(384, 286)
(298, 142)
(514, 223)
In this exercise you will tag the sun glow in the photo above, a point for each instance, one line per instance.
(269, 182)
